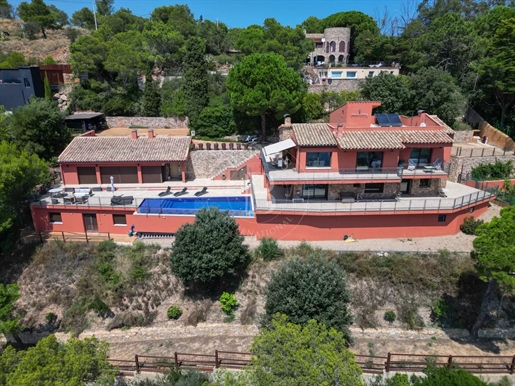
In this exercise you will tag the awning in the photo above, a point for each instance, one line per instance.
(279, 146)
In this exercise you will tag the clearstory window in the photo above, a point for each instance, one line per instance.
(369, 159)
(421, 156)
(318, 159)
(374, 188)
(336, 74)
(55, 217)
(425, 183)
(351, 74)
(119, 219)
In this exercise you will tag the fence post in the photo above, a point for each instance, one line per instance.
(387, 366)
(176, 360)
(64, 240)
(217, 364)
(108, 236)
(86, 233)
(483, 152)
(449, 361)
(136, 361)
(512, 367)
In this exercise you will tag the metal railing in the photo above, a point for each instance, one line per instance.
(480, 152)
(435, 204)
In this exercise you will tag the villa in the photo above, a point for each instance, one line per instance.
(361, 174)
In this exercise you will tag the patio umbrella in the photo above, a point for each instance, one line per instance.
(112, 183)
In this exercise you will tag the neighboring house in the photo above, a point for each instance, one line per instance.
(331, 47)
(83, 122)
(328, 74)
(366, 175)
(18, 85)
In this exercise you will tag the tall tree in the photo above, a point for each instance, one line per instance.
(178, 16)
(196, 83)
(6, 9)
(288, 354)
(48, 91)
(392, 91)
(262, 84)
(151, 97)
(310, 289)
(38, 127)
(83, 18)
(494, 253)
(9, 323)
(44, 16)
(104, 7)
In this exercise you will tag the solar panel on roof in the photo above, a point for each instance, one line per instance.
(395, 120)
(382, 120)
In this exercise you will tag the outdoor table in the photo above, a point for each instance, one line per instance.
(54, 191)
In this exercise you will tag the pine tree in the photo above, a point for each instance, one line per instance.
(196, 93)
(151, 98)
(48, 91)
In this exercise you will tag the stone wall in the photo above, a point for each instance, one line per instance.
(210, 163)
(464, 136)
(148, 122)
(461, 167)
(336, 85)
(431, 189)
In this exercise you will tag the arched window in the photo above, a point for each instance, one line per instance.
(331, 59)
(342, 47)
(332, 46)
(340, 59)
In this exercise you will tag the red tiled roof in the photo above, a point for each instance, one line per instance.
(313, 134)
(126, 149)
(389, 139)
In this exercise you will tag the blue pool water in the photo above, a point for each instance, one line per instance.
(237, 206)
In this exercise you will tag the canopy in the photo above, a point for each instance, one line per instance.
(279, 146)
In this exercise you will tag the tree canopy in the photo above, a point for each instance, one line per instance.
(9, 323)
(46, 17)
(290, 354)
(209, 250)
(310, 289)
(262, 84)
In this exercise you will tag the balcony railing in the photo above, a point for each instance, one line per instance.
(434, 204)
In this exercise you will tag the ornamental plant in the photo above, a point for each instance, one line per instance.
(174, 312)
(229, 303)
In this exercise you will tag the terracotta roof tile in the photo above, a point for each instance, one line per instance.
(313, 134)
(126, 149)
(389, 139)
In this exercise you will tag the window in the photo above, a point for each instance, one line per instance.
(471, 210)
(369, 160)
(421, 156)
(356, 185)
(374, 188)
(442, 217)
(425, 183)
(318, 159)
(371, 74)
(26, 82)
(336, 74)
(55, 218)
(314, 191)
(351, 74)
(119, 219)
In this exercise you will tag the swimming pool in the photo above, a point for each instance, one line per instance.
(237, 206)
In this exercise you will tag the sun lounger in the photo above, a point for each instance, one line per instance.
(122, 200)
(182, 192)
(201, 192)
(166, 192)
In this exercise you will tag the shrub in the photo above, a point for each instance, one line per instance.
(439, 310)
(229, 303)
(390, 316)
(51, 318)
(268, 249)
(496, 171)
(470, 225)
(174, 312)
(314, 288)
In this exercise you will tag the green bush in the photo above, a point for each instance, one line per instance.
(496, 171)
(390, 316)
(229, 303)
(470, 225)
(268, 249)
(51, 318)
(174, 312)
(439, 310)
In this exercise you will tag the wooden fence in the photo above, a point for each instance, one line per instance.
(370, 364)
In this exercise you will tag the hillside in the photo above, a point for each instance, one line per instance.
(56, 45)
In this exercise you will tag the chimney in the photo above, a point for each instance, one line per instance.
(150, 133)
(287, 120)
(134, 134)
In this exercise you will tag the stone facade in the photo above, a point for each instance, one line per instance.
(333, 46)
(210, 163)
(150, 122)
(464, 136)
(461, 167)
(433, 184)
(335, 85)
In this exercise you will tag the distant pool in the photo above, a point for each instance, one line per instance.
(237, 206)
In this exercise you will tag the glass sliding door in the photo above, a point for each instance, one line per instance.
(318, 191)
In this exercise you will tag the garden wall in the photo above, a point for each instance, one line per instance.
(461, 167)
(148, 122)
(464, 136)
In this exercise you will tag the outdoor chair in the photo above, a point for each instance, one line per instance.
(437, 164)
(181, 193)
(166, 192)
(122, 200)
(81, 199)
(201, 192)
(69, 200)
(412, 164)
(441, 193)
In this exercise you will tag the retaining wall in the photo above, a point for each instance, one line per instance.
(148, 122)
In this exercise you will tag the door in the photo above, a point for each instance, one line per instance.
(405, 186)
(152, 174)
(87, 175)
(90, 222)
(175, 172)
(121, 174)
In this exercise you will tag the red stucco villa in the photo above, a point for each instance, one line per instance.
(361, 174)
